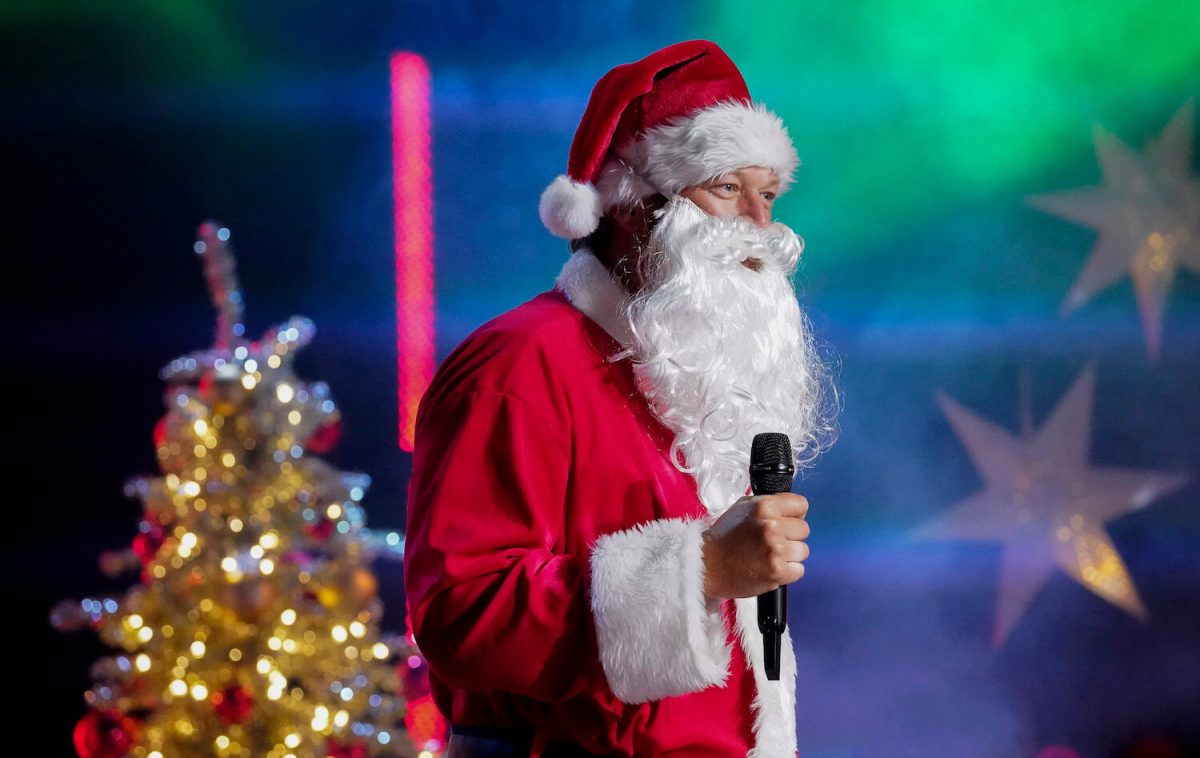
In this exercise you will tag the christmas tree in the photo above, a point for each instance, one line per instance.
(254, 630)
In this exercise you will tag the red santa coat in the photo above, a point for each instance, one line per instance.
(553, 558)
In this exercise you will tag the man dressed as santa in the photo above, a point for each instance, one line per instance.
(582, 557)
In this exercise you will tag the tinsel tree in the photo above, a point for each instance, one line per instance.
(254, 628)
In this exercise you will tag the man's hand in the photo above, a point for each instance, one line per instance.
(756, 546)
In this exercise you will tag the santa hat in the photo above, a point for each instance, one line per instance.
(676, 118)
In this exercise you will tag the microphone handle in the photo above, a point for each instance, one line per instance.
(772, 621)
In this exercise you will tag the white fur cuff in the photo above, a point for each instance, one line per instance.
(658, 634)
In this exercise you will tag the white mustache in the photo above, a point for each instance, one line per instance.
(731, 241)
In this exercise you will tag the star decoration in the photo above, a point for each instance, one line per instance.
(1148, 215)
(1046, 505)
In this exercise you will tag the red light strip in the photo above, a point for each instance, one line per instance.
(412, 211)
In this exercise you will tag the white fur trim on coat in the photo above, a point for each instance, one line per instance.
(774, 702)
(590, 287)
(658, 634)
(569, 209)
(719, 139)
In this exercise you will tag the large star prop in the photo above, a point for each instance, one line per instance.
(1047, 505)
(1148, 215)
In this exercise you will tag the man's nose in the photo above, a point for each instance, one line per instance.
(755, 209)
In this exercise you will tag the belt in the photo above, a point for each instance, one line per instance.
(484, 742)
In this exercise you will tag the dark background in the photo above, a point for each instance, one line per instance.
(922, 127)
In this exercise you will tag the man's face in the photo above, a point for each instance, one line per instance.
(747, 193)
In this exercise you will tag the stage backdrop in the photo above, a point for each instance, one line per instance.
(1001, 203)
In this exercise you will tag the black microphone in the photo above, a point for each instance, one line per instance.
(771, 472)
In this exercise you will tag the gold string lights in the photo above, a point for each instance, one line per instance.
(254, 630)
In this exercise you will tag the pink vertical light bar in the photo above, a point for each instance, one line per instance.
(412, 210)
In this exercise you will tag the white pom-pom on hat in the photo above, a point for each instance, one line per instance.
(570, 209)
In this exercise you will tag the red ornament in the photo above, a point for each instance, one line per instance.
(104, 734)
(324, 437)
(205, 385)
(233, 705)
(146, 544)
(319, 530)
(342, 750)
(425, 722)
(160, 432)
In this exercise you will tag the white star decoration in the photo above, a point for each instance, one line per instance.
(1148, 215)
(1047, 505)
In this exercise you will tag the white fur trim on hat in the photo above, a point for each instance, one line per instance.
(620, 186)
(569, 209)
(719, 139)
(657, 633)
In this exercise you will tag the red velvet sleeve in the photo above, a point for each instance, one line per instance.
(495, 603)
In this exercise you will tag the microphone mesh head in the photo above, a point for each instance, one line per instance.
(771, 468)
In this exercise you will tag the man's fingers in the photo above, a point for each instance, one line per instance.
(799, 569)
(786, 504)
(793, 528)
(785, 564)
(790, 574)
(797, 506)
(797, 552)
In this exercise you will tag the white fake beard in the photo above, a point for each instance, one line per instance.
(722, 352)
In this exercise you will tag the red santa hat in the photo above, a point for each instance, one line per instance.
(676, 118)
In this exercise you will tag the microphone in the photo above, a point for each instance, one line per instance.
(771, 472)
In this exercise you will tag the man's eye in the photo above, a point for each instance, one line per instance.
(728, 187)
(769, 197)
